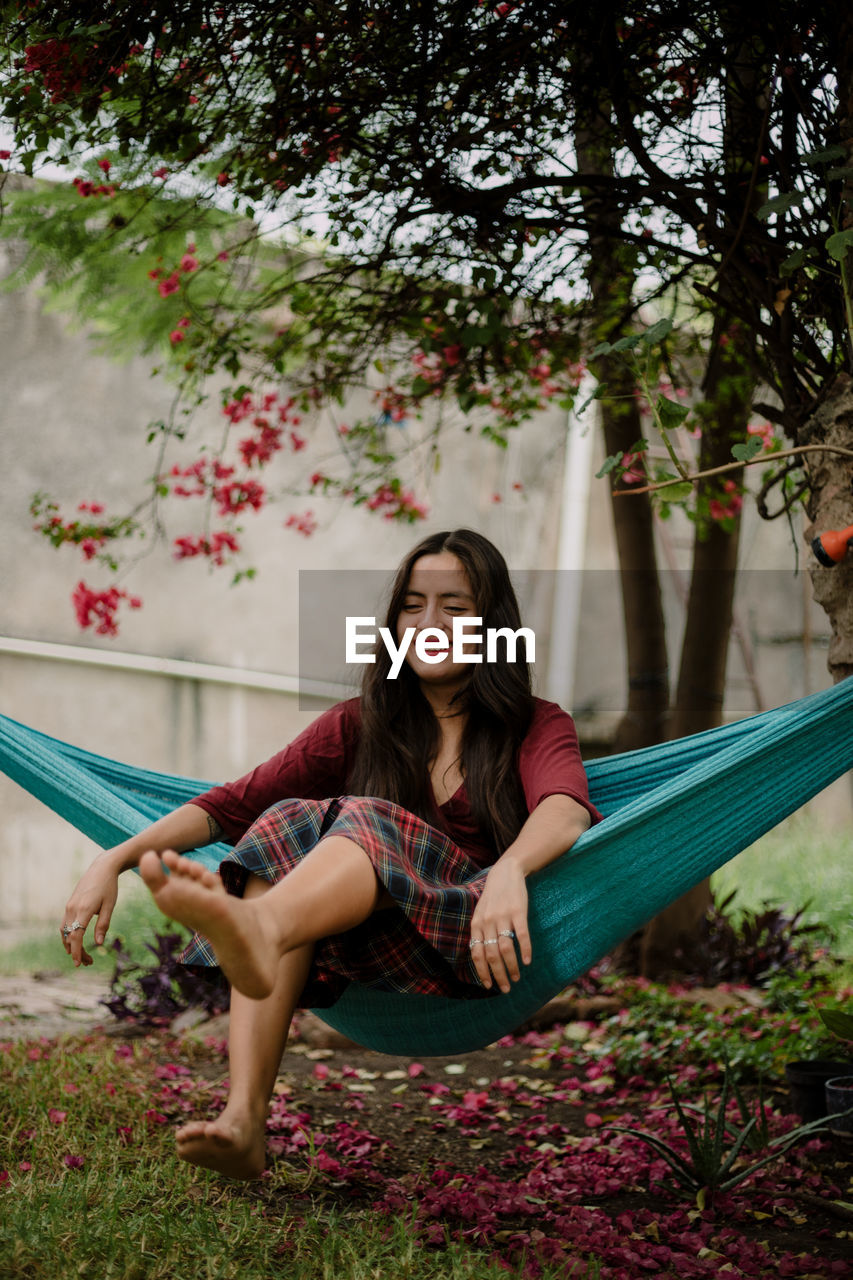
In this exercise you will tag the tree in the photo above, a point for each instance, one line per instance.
(503, 190)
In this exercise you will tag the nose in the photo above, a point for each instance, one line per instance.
(432, 617)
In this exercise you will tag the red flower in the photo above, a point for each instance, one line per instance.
(188, 263)
(169, 285)
(223, 179)
(105, 165)
(304, 524)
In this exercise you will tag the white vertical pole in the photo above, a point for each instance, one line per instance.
(571, 553)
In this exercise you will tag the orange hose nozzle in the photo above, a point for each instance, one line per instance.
(831, 547)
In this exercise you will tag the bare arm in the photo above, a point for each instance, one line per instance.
(188, 827)
(552, 828)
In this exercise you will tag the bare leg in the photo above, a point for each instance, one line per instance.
(234, 1142)
(334, 888)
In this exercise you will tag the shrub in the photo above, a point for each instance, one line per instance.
(157, 992)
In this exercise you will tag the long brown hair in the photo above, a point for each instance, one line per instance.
(399, 731)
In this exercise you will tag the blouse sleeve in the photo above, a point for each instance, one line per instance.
(550, 762)
(313, 766)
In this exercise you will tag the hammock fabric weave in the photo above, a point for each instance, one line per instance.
(674, 813)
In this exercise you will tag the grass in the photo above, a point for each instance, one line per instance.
(135, 920)
(88, 1176)
(795, 865)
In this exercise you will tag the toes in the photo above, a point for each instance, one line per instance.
(151, 870)
(195, 1129)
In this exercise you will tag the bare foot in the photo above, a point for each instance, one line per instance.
(230, 1144)
(246, 947)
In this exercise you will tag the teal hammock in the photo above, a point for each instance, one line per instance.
(674, 813)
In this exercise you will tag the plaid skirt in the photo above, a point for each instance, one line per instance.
(418, 945)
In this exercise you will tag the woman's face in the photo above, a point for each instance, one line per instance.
(438, 591)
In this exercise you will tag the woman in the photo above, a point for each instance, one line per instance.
(449, 785)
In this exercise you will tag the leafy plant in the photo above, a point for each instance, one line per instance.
(156, 993)
(840, 1023)
(754, 946)
(708, 1167)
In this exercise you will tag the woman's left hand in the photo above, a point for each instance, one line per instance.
(498, 923)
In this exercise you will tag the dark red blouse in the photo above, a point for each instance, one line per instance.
(318, 762)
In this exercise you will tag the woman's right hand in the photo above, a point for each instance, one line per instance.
(188, 827)
(94, 895)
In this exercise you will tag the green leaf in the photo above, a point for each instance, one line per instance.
(748, 450)
(596, 395)
(628, 343)
(603, 349)
(838, 1022)
(839, 245)
(824, 154)
(793, 261)
(656, 333)
(780, 204)
(843, 173)
(669, 414)
(676, 492)
(609, 465)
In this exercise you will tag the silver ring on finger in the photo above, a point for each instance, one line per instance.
(506, 933)
(71, 928)
(475, 942)
(489, 942)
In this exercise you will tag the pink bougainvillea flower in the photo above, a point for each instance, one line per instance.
(304, 524)
(162, 172)
(188, 263)
(74, 1162)
(176, 336)
(632, 474)
(55, 1116)
(170, 285)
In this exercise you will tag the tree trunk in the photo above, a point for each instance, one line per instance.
(705, 646)
(830, 506)
(644, 720)
(728, 392)
(611, 277)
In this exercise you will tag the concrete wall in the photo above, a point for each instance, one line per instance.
(73, 425)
